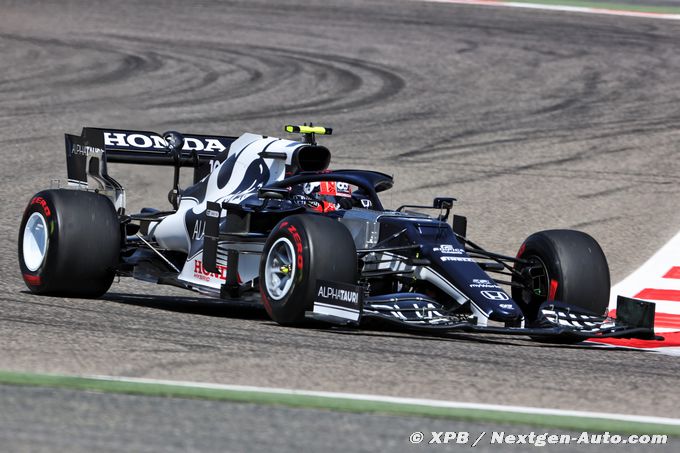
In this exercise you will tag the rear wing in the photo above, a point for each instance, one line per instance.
(89, 153)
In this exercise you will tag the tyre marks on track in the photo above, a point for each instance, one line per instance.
(195, 74)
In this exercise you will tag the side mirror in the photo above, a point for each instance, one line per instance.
(443, 202)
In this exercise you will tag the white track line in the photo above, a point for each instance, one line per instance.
(563, 8)
(657, 275)
(650, 275)
(400, 400)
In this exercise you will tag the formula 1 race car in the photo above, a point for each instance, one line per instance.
(265, 215)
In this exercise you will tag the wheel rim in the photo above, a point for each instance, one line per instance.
(540, 282)
(35, 241)
(279, 271)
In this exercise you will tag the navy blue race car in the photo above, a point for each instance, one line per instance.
(266, 218)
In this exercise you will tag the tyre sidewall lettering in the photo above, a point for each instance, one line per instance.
(299, 251)
(42, 203)
(288, 230)
(39, 204)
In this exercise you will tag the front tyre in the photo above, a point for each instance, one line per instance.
(300, 250)
(69, 243)
(564, 265)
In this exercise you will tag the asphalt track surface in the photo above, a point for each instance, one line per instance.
(533, 120)
(74, 421)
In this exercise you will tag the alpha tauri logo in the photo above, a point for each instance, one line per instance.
(84, 150)
(327, 292)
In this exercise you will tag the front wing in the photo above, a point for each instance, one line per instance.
(345, 305)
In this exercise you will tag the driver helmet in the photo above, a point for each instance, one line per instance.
(330, 195)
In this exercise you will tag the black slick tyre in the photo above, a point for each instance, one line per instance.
(565, 265)
(300, 250)
(69, 243)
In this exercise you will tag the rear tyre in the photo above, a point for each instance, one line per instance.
(301, 250)
(69, 243)
(566, 265)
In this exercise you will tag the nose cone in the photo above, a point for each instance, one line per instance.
(505, 311)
